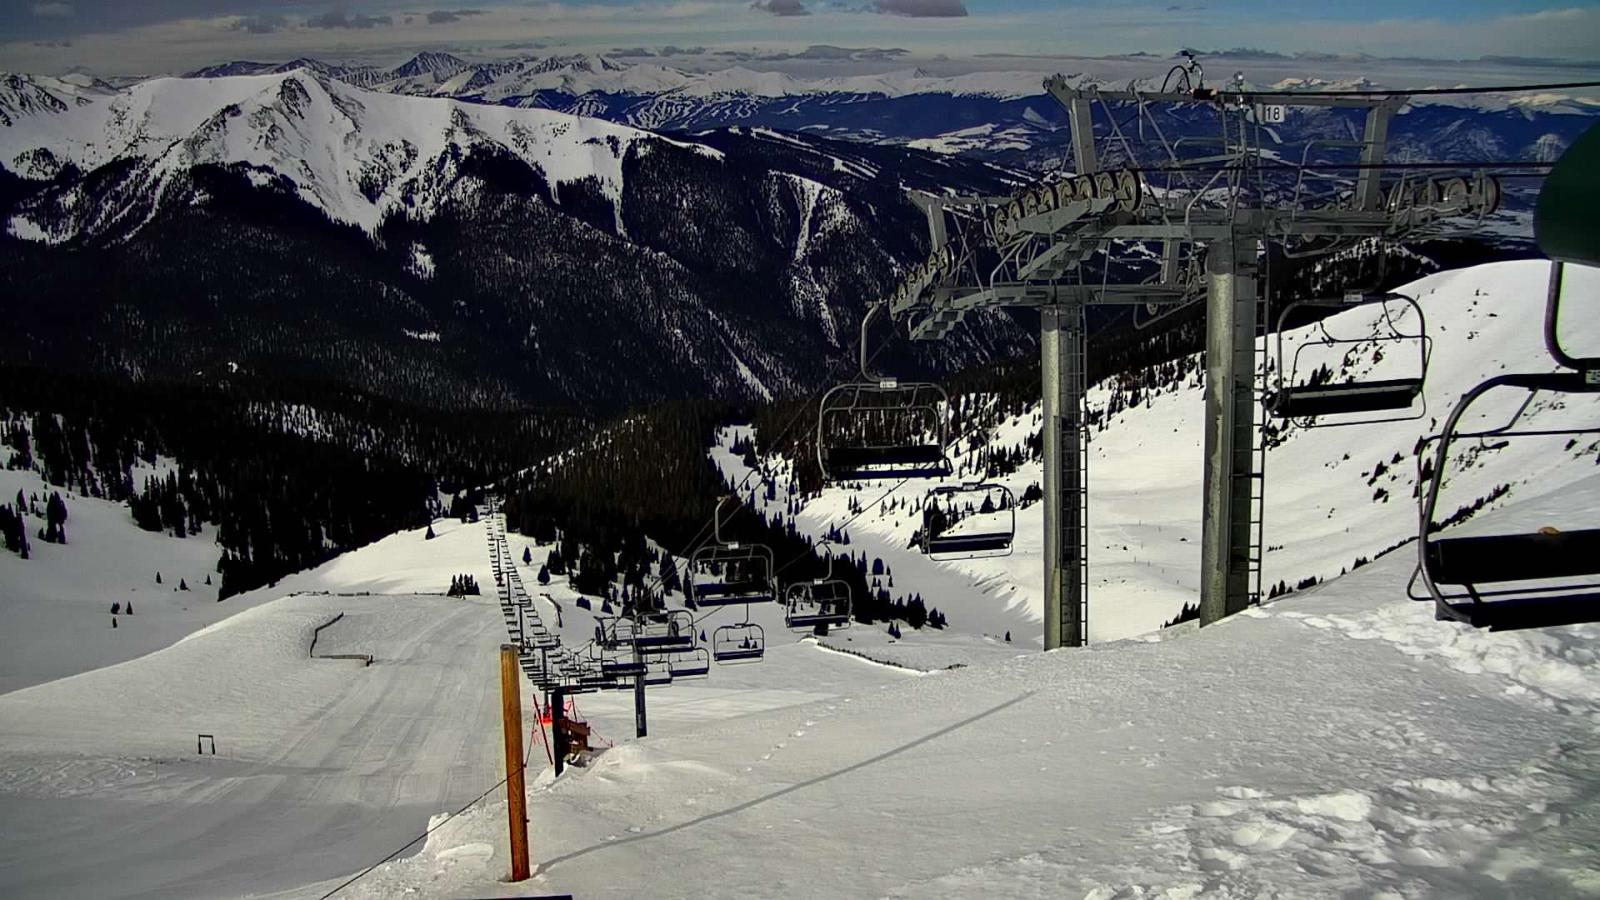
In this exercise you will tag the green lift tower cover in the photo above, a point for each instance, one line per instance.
(1566, 222)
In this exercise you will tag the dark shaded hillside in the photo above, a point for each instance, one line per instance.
(726, 277)
(290, 473)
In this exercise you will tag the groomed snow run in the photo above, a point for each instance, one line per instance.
(1337, 743)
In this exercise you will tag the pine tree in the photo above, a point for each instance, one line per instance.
(208, 578)
(128, 609)
(544, 574)
(430, 535)
(183, 585)
(158, 578)
(1008, 637)
(527, 558)
(56, 519)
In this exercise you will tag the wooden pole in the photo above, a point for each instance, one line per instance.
(516, 790)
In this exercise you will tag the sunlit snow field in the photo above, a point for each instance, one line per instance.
(1338, 742)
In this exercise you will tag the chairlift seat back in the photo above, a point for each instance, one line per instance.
(1514, 557)
(1304, 401)
(822, 602)
(984, 529)
(1546, 555)
(844, 462)
(697, 665)
(1393, 398)
(948, 545)
(749, 583)
(739, 654)
(882, 429)
(621, 669)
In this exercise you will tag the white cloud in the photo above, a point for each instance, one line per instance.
(52, 10)
(1555, 15)
(1050, 34)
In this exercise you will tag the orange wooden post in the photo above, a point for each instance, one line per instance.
(516, 790)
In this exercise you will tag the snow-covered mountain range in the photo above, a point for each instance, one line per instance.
(1000, 115)
(532, 236)
(359, 157)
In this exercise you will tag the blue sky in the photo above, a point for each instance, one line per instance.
(141, 36)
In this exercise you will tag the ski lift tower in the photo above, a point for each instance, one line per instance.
(1202, 210)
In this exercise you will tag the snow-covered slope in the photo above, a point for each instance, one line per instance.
(512, 252)
(318, 761)
(55, 607)
(1334, 495)
(1337, 743)
(359, 156)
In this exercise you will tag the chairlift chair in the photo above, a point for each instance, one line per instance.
(729, 573)
(598, 682)
(656, 632)
(1515, 559)
(1504, 559)
(622, 668)
(658, 673)
(880, 427)
(808, 604)
(1563, 225)
(947, 533)
(693, 664)
(669, 631)
(744, 642)
(1294, 397)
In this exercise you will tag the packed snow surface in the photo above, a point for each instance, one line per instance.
(1337, 742)
(55, 607)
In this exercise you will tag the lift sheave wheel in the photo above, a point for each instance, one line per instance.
(1306, 392)
(969, 521)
